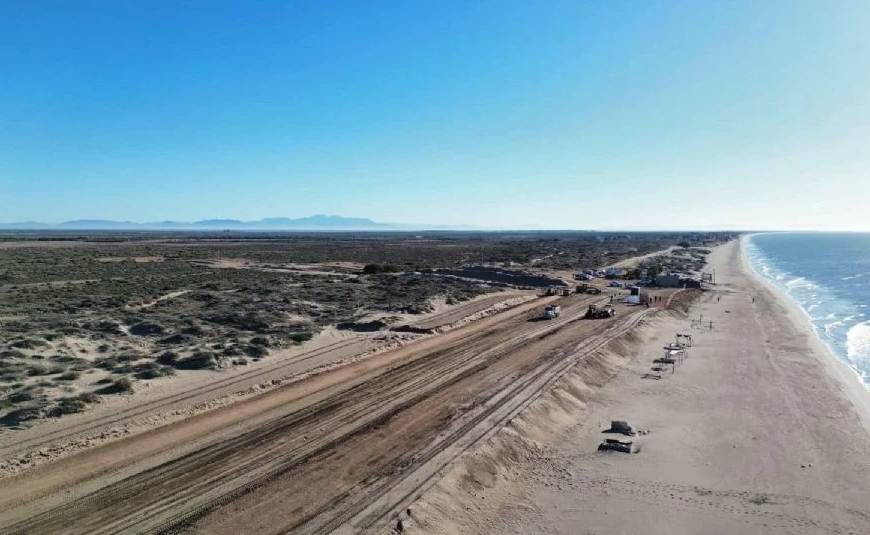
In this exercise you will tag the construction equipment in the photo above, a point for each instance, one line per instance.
(558, 290)
(552, 312)
(610, 444)
(587, 289)
(595, 312)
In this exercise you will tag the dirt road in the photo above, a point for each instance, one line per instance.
(312, 456)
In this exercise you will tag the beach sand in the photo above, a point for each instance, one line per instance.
(760, 430)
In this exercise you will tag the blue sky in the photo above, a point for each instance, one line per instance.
(636, 115)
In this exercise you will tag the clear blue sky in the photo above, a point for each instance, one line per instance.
(493, 113)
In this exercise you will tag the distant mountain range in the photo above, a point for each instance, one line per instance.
(315, 222)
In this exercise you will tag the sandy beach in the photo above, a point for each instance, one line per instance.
(759, 430)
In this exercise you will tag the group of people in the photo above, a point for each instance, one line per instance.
(653, 299)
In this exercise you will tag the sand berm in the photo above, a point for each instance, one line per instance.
(760, 430)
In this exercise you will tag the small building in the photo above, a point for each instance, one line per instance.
(668, 281)
(690, 283)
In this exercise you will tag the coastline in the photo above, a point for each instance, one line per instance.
(852, 385)
(760, 430)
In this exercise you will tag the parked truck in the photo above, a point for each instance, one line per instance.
(552, 312)
(587, 289)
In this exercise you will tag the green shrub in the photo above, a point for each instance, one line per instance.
(197, 361)
(120, 385)
(89, 397)
(28, 343)
(175, 339)
(66, 406)
(36, 370)
(152, 370)
(255, 351)
(24, 394)
(374, 269)
(301, 337)
(231, 351)
(146, 328)
(261, 341)
(108, 363)
(23, 414)
(168, 358)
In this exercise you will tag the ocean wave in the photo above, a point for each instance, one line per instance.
(801, 283)
(835, 304)
(844, 322)
(834, 325)
(858, 346)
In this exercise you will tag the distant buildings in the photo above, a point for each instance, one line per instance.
(674, 281)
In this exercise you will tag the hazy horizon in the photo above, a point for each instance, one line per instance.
(665, 116)
(360, 224)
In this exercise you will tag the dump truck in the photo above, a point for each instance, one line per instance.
(552, 312)
(595, 312)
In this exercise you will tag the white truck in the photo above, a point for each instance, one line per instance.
(552, 311)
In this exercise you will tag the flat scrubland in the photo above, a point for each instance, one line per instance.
(304, 384)
(88, 316)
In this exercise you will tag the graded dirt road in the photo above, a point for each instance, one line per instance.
(185, 396)
(310, 456)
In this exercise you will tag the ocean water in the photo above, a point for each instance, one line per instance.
(828, 275)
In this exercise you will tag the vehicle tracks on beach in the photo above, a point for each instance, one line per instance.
(184, 488)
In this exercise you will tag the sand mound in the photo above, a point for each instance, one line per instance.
(456, 503)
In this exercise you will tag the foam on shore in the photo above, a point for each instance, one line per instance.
(842, 366)
(841, 326)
